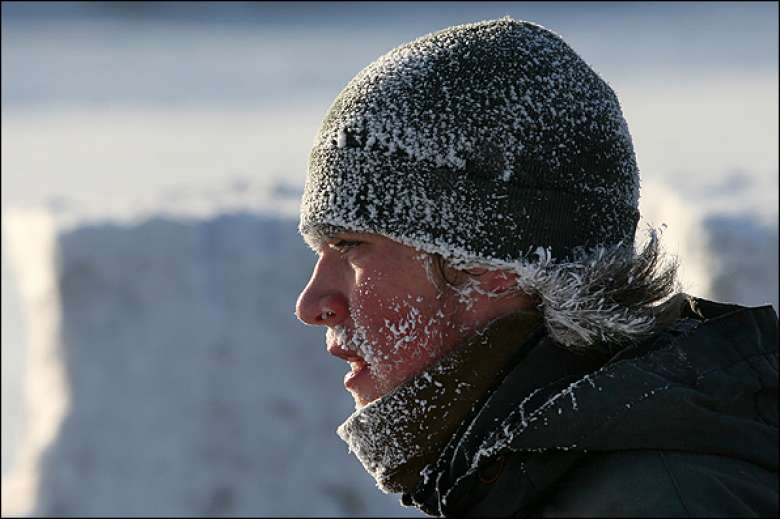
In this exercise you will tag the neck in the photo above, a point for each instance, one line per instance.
(396, 436)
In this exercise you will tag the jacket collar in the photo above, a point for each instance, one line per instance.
(688, 388)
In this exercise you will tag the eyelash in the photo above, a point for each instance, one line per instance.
(344, 245)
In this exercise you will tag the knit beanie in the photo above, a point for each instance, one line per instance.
(481, 142)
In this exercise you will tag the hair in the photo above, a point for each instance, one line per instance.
(601, 300)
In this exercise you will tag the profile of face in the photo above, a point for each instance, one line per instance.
(385, 311)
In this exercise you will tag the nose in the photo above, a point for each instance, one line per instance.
(322, 303)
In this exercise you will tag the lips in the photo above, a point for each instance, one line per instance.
(338, 351)
(352, 378)
(359, 367)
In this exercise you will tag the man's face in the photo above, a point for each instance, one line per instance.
(384, 312)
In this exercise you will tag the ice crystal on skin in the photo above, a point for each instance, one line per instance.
(372, 431)
(408, 329)
(389, 432)
(396, 331)
(578, 310)
(380, 433)
(472, 286)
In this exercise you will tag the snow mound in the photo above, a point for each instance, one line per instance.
(188, 387)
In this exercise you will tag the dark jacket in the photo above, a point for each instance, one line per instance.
(684, 424)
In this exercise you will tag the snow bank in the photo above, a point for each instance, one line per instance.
(744, 259)
(178, 380)
(724, 254)
(44, 384)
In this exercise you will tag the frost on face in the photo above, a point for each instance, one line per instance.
(409, 424)
(400, 334)
(414, 408)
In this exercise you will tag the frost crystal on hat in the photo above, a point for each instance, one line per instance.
(481, 142)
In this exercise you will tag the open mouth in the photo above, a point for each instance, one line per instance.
(359, 368)
(357, 365)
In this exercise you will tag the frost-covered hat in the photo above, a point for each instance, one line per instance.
(481, 142)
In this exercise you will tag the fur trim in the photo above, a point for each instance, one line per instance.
(601, 299)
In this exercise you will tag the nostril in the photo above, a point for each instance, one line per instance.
(332, 310)
(316, 309)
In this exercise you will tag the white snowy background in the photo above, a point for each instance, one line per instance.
(152, 159)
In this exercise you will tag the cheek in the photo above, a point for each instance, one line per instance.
(399, 326)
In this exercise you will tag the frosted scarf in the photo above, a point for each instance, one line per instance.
(396, 436)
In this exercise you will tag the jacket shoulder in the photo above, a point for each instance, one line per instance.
(662, 483)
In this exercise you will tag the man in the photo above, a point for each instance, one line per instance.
(472, 197)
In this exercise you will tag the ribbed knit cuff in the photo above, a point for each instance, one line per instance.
(463, 216)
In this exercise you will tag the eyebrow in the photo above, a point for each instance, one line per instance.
(317, 238)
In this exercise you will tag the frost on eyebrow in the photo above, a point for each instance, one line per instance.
(318, 236)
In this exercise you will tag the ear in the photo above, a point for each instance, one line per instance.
(501, 282)
(498, 281)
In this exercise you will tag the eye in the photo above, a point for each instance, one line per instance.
(344, 246)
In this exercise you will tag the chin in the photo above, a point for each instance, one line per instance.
(369, 388)
(362, 399)
(359, 402)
